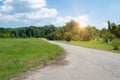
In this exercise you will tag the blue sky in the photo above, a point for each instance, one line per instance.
(19, 13)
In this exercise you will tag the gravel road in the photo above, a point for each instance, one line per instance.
(81, 64)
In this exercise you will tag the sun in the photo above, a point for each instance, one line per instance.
(82, 25)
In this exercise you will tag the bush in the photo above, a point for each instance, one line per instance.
(116, 44)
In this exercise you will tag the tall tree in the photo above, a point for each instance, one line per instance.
(109, 26)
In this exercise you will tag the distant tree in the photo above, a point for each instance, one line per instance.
(15, 33)
(29, 34)
(53, 36)
(114, 26)
(5, 35)
(11, 36)
(68, 36)
(93, 32)
(117, 31)
(109, 26)
(114, 29)
(107, 36)
(73, 28)
(76, 37)
(102, 32)
(86, 34)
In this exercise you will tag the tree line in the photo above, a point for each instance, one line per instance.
(73, 31)
(27, 32)
(70, 31)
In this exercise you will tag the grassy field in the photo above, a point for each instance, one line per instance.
(19, 55)
(94, 44)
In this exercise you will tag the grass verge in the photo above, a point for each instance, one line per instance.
(94, 44)
(20, 55)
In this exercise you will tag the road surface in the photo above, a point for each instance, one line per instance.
(81, 64)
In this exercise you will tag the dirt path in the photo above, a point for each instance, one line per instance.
(81, 64)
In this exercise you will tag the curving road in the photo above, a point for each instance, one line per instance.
(81, 64)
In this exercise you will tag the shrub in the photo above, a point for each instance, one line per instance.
(116, 44)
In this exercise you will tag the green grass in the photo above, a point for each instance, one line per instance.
(19, 55)
(94, 44)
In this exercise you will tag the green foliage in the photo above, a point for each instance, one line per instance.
(114, 29)
(86, 34)
(116, 44)
(71, 31)
(51, 32)
(68, 36)
(19, 55)
(27, 32)
(5, 35)
(53, 36)
(73, 28)
(114, 26)
(107, 36)
(109, 26)
(76, 38)
(111, 33)
(117, 31)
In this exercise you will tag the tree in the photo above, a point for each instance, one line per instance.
(76, 37)
(114, 26)
(73, 28)
(53, 36)
(117, 31)
(86, 34)
(29, 34)
(5, 35)
(14, 32)
(114, 29)
(107, 36)
(68, 36)
(109, 26)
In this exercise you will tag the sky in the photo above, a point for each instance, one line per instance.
(21, 13)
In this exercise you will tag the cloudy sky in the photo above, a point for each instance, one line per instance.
(19, 13)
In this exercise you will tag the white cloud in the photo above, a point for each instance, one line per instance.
(61, 21)
(25, 21)
(6, 7)
(43, 13)
(7, 2)
(80, 19)
(26, 9)
(32, 12)
(36, 4)
(8, 18)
